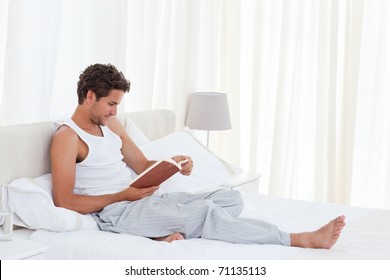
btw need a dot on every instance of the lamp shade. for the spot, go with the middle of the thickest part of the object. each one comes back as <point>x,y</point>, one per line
<point>208,111</point>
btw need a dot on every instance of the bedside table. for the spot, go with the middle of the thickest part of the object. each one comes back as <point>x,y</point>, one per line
<point>245,181</point>
<point>21,249</point>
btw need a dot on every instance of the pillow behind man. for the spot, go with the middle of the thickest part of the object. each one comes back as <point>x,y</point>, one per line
<point>31,202</point>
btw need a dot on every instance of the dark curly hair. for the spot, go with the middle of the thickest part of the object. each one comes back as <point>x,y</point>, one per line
<point>101,78</point>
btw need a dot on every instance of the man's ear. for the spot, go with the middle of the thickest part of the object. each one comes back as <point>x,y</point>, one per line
<point>91,97</point>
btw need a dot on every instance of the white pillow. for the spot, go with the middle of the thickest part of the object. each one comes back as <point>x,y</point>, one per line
<point>135,133</point>
<point>32,204</point>
<point>209,171</point>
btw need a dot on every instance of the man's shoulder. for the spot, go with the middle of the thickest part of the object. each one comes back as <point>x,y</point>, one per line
<point>64,132</point>
<point>115,126</point>
<point>65,142</point>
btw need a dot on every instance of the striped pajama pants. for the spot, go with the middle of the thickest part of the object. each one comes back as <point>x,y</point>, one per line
<point>210,215</point>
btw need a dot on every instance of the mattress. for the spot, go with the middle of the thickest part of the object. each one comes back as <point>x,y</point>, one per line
<point>366,236</point>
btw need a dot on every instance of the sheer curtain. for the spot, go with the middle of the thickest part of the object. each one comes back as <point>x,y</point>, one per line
<point>45,44</point>
<point>294,73</point>
<point>306,80</point>
<point>318,127</point>
<point>306,57</point>
<point>370,182</point>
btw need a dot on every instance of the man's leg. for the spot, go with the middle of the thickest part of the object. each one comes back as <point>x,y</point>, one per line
<point>194,216</point>
<point>169,238</point>
<point>324,238</point>
<point>180,213</point>
<point>230,200</point>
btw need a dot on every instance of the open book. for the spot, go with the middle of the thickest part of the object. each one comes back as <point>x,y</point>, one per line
<point>157,173</point>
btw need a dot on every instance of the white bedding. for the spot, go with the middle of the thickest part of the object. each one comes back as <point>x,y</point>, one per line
<point>366,236</point>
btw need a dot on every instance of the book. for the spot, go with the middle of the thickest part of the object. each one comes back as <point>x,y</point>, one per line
<point>157,173</point>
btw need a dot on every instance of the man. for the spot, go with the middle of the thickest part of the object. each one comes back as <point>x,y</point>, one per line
<point>91,157</point>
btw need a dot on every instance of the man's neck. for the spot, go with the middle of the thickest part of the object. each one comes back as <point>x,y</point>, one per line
<point>83,120</point>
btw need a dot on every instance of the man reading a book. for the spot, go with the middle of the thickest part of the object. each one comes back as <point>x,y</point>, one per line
<point>91,157</point>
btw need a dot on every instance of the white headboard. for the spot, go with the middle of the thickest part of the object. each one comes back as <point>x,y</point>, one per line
<point>24,149</point>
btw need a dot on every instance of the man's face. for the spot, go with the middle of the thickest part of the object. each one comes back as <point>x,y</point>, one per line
<point>101,111</point>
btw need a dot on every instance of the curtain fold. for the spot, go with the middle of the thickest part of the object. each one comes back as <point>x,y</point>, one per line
<point>348,116</point>
<point>30,58</point>
<point>3,36</point>
<point>47,44</point>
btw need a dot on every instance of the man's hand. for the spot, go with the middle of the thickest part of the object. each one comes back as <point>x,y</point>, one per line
<point>187,166</point>
<point>132,194</point>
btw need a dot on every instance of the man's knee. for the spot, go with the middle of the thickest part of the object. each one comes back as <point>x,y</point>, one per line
<point>231,201</point>
<point>237,196</point>
<point>238,202</point>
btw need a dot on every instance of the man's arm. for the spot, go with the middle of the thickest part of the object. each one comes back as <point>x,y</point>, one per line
<point>134,157</point>
<point>64,151</point>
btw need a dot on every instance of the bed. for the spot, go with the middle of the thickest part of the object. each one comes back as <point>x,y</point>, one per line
<point>26,191</point>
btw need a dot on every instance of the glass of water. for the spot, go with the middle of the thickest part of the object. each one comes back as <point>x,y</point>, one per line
<point>6,226</point>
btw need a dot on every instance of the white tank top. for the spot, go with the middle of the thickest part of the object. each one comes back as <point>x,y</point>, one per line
<point>102,171</point>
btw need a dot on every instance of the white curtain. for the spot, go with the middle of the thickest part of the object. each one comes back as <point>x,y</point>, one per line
<point>306,79</point>
<point>305,65</point>
<point>45,44</point>
<point>319,123</point>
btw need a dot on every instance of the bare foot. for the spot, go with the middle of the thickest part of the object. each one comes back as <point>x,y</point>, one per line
<point>323,238</point>
<point>170,238</point>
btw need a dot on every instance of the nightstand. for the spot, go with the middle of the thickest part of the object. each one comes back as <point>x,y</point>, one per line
<point>21,249</point>
<point>244,181</point>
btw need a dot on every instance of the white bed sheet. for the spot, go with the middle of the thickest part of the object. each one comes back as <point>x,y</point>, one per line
<point>366,236</point>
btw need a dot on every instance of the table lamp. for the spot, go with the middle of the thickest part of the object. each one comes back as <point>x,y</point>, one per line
<point>208,111</point>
